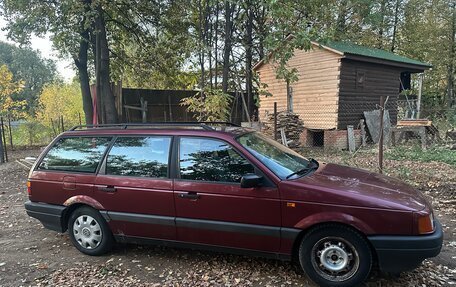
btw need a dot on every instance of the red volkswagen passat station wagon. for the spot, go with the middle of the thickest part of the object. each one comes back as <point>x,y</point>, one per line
<point>215,185</point>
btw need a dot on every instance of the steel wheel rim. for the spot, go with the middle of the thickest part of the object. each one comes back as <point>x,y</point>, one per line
<point>87,232</point>
<point>335,259</point>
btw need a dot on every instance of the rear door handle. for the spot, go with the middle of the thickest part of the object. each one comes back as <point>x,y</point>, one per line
<point>190,195</point>
<point>107,188</point>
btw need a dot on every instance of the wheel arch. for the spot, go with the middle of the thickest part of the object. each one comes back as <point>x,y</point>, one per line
<point>76,202</point>
<point>309,227</point>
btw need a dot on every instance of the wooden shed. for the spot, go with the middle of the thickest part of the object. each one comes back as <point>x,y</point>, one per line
<point>337,82</point>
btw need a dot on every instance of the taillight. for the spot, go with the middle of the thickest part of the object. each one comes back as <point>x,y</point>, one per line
<point>425,224</point>
<point>29,188</point>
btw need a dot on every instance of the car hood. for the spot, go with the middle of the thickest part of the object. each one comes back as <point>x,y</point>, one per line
<point>343,185</point>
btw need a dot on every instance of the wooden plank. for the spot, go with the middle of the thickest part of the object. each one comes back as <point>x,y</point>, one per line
<point>415,123</point>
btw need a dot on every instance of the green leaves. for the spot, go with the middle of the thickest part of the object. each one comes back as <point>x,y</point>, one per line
<point>210,106</point>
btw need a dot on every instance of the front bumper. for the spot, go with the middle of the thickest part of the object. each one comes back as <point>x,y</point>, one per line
<point>51,216</point>
<point>402,253</point>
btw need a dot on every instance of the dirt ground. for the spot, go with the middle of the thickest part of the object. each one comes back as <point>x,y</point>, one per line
<point>33,256</point>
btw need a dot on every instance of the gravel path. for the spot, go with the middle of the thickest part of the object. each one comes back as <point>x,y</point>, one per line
<point>33,256</point>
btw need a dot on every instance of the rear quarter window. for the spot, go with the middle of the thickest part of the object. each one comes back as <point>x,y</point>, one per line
<point>76,154</point>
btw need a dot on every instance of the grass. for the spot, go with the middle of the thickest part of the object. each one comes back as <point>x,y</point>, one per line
<point>415,153</point>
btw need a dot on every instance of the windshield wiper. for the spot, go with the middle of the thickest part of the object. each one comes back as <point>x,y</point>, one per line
<point>301,171</point>
<point>305,170</point>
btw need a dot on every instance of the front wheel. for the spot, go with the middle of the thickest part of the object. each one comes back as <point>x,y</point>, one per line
<point>335,255</point>
<point>89,232</point>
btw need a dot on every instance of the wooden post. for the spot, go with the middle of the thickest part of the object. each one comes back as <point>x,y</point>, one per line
<point>420,89</point>
<point>79,116</point>
<point>143,109</point>
<point>275,120</point>
<point>380,141</point>
<point>351,138</point>
<point>170,108</point>
<point>10,133</point>
<point>363,133</point>
<point>4,138</point>
<point>61,122</point>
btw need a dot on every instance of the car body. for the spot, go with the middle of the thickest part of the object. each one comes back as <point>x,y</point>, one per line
<point>228,188</point>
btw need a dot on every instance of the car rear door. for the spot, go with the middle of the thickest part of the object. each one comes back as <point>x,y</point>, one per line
<point>68,169</point>
<point>211,206</point>
<point>135,189</point>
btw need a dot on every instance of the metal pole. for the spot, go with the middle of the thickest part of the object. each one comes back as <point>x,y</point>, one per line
<point>4,138</point>
<point>380,141</point>
<point>10,132</point>
<point>275,120</point>
<point>80,120</point>
<point>2,158</point>
<point>420,89</point>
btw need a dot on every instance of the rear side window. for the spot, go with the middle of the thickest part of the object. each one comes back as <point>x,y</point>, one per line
<point>78,154</point>
<point>139,156</point>
<point>207,159</point>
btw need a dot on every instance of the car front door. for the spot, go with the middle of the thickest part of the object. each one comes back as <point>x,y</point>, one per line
<point>135,189</point>
<point>211,206</point>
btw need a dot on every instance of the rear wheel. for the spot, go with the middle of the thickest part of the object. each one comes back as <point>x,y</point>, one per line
<point>335,255</point>
<point>89,232</point>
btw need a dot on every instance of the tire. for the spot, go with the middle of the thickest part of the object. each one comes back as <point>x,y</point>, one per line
<point>89,232</point>
<point>335,255</point>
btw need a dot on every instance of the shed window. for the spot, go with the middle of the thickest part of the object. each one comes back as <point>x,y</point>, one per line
<point>360,78</point>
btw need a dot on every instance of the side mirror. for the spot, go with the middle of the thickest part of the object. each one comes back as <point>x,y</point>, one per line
<point>250,180</point>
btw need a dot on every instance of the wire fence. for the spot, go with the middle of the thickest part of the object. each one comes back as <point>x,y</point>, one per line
<point>20,134</point>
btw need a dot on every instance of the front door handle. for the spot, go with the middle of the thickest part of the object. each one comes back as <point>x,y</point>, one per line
<point>189,195</point>
<point>107,188</point>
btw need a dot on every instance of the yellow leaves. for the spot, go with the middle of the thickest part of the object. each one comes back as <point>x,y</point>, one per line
<point>8,87</point>
<point>60,99</point>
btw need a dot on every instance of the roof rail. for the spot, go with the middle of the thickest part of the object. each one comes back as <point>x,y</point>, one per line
<point>204,125</point>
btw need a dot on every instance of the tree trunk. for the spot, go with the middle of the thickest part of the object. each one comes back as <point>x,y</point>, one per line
<point>396,21</point>
<point>103,77</point>
<point>341,20</point>
<point>248,58</point>
<point>81,64</point>
<point>216,24</point>
<point>201,45</point>
<point>450,97</point>
<point>227,47</point>
<point>382,29</point>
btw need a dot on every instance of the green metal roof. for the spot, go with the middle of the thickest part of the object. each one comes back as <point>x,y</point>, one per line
<point>350,48</point>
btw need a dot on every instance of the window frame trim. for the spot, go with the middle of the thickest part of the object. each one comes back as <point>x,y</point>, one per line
<point>54,142</point>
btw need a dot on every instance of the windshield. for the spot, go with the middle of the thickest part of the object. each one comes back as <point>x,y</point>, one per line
<point>284,162</point>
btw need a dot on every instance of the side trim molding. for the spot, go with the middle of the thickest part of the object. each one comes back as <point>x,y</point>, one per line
<point>141,218</point>
<point>224,226</point>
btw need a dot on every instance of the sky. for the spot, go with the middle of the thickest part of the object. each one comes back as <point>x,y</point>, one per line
<point>44,46</point>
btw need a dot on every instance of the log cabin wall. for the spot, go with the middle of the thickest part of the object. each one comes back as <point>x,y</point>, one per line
<point>361,86</point>
<point>315,94</point>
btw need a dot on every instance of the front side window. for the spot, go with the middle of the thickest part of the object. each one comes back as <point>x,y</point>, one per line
<point>78,154</point>
<point>211,160</point>
<point>139,156</point>
<point>281,160</point>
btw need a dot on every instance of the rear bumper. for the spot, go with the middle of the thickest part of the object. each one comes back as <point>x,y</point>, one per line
<point>51,216</point>
<point>402,253</point>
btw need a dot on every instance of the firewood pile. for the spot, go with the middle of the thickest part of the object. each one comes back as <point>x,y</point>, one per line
<point>292,125</point>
